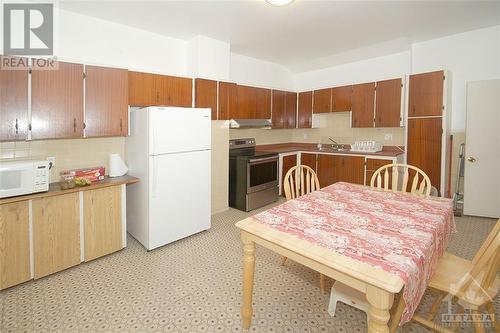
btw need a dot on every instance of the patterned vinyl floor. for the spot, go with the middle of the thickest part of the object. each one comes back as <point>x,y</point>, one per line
<point>193,285</point>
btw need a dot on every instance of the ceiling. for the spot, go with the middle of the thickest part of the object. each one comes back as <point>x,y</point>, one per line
<point>305,32</point>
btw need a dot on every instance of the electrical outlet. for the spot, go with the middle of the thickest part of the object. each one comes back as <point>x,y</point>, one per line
<point>304,136</point>
<point>388,136</point>
<point>52,161</point>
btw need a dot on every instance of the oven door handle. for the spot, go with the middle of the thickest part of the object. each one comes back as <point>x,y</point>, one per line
<point>262,160</point>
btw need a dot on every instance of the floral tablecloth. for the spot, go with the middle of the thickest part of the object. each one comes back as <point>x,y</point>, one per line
<point>400,233</point>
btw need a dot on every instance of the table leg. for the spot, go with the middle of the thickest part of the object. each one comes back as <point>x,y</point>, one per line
<point>378,313</point>
<point>248,271</point>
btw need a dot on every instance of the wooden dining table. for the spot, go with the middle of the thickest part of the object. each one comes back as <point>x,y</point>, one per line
<point>381,243</point>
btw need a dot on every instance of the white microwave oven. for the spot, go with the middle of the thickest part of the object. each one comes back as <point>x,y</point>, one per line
<point>23,177</point>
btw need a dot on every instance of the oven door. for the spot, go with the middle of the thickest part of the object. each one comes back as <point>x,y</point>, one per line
<point>262,173</point>
<point>16,178</point>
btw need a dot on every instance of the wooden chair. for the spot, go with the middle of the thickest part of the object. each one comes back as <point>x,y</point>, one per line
<point>387,180</point>
<point>298,181</point>
<point>473,283</point>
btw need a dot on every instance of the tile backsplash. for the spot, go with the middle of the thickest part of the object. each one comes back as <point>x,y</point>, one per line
<point>69,153</point>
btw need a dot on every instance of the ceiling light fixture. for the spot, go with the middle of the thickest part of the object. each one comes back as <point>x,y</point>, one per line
<point>279,2</point>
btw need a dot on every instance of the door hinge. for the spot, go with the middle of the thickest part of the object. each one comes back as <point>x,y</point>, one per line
<point>29,126</point>
<point>442,107</point>
<point>444,77</point>
<point>84,125</point>
<point>30,70</point>
<point>84,75</point>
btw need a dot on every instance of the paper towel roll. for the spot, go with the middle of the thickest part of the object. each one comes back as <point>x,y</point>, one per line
<point>117,167</point>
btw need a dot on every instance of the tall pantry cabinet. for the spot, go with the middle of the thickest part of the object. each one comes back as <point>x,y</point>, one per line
<point>428,126</point>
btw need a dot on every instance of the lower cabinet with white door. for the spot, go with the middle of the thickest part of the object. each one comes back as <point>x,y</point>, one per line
<point>47,233</point>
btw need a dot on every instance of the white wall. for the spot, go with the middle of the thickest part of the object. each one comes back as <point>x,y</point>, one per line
<point>470,56</point>
<point>86,39</point>
<point>208,58</point>
<point>251,71</point>
<point>379,68</point>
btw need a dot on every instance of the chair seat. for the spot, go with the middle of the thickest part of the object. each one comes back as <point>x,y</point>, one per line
<point>450,273</point>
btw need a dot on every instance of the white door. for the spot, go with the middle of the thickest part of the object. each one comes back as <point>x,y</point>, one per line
<point>180,196</point>
<point>482,148</point>
<point>175,130</point>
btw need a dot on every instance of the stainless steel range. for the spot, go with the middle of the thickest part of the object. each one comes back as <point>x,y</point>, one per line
<point>253,176</point>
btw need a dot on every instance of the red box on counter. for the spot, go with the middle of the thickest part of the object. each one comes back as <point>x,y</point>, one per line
<point>93,173</point>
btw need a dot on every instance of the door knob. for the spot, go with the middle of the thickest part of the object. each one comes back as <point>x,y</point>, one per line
<point>471,159</point>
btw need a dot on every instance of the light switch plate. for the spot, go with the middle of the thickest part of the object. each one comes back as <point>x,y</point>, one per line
<point>388,136</point>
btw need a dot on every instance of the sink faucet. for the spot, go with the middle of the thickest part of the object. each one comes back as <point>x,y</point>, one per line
<point>335,145</point>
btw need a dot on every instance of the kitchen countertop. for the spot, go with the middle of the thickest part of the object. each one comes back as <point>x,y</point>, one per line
<point>55,189</point>
<point>290,147</point>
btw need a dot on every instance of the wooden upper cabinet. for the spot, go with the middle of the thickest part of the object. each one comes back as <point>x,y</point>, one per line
<point>341,99</point>
<point>228,100</point>
<point>322,100</point>
<point>141,89</point>
<point>13,101</point>
<point>278,109</point>
<point>263,103</point>
<point>304,112</point>
<point>363,100</point>
<point>426,94</point>
<point>424,146</point>
<point>388,105</point>
<point>106,101</point>
<point>57,102</point>
<point>247,103</point>
<point>147,89</point>
<point>173,91</point>
<point>206,95</point>
<point>290,109</point>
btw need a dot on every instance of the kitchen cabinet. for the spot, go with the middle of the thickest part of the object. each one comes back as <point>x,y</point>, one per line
<point>363,100</point>
<point>388,103</point>
<point>291,109</point>
<point>322,100</point>
<point>304,111</point>
<point>372,165</point>
<point>56,233</point>
<point>327,169</point>
<point>147,89</point>
<point>228,100</point>
<point>14,241</point>
<point>173,91</point>
<point>106,101</point>
<point>206,95</point>
<point>102,222</point>
<point>426,94</point>
<point>284,109</point>
<point>424,146</point>
<point>253,103</point>
<point>57,102</point>
<point>340,168</point>
<point>288,162</point>
<point>309,159</point>
<point>263,103</point>
<point>13,102</point>
<point>341,99</point>
<point>278,109</point>
<point>141,89</point>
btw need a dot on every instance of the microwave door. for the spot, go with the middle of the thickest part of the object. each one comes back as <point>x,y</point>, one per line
<point>16,180</point>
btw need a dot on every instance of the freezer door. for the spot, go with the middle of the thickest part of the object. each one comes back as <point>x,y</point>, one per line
<point>175,130</point>
<point>180,196</point>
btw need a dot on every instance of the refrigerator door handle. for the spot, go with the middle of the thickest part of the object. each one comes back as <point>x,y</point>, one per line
<point>153,176</point>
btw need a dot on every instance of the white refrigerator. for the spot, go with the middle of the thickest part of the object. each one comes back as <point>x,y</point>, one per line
<point>169,151</point>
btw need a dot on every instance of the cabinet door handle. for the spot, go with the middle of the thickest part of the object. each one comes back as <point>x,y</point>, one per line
<point>413,109</point>
<point>157,97</point>
<point>121,125</point>
<point>334,106</point>
<point>17,127</point>
<point>74,124</point>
